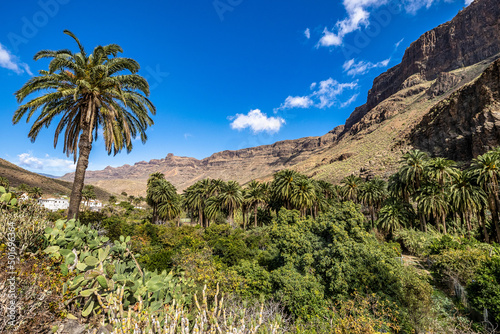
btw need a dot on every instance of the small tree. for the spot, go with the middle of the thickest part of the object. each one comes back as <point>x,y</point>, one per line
<point>88,193</point>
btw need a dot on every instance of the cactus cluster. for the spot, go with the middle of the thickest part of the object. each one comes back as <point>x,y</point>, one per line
<point>7,199</point>
<point>101,268</point>
<point>25,221</point>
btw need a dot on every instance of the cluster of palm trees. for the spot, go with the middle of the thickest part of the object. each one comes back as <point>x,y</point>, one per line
<point>424,191</point>
<point>432,191</point>
<point>212,200</point>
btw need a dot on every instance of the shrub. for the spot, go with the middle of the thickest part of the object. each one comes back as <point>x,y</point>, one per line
<point>416,242</point>
<point>27,220</point>
<point>484,290</point>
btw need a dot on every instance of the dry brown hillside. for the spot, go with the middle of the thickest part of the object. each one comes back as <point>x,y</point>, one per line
<point>50,187</point>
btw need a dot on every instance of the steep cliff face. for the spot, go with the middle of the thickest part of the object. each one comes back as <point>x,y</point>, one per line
<point>472,36</point>
<point>466,124</point>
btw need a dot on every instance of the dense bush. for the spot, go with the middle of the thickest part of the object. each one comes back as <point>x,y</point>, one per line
<point>22,223</point>
<point>484,289</point>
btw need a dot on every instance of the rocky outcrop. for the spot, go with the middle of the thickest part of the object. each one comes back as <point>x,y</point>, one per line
<point>466,124</point>
<point>472,36</point>
<point>242,165</point>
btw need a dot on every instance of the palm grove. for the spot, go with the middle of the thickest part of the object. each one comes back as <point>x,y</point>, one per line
<point>423,192</point>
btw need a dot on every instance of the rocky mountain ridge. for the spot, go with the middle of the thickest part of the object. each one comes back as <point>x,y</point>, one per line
<point>399,114</point>
<point>469,38</point>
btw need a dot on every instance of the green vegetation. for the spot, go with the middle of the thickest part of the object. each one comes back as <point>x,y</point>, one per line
<point>409,255</point>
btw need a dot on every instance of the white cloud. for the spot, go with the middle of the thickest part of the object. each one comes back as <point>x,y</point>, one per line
<point>354,68</point>
<point>396,46</point>
<point>329,39</point>
<point>297,102</point>
<point>348,102</point>
<point>307,33</point>
<point>468,2</point>
<point>358,16</point>
<point>324,95</point>
<point>412,6</point>
<point>257,122</point>
<point>329,90</point>
<point>11,62</point>
<point>47,164</point>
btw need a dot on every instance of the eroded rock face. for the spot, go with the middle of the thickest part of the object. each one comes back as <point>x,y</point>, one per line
<point>466,124</point>
<point>444,83</point>
<point>242,165</point>
<point>469,38</point>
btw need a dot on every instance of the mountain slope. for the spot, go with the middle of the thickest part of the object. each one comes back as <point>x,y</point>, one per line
<point>50,187</point>
<point>442,62</point>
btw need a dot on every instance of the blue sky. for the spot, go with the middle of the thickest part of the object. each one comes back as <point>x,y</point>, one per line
<point>224,74</point>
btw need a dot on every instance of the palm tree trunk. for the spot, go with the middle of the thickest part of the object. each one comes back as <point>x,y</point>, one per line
<point>200,217</point>
<point>469,225</point>
<point>84,147</point>
<point>231,218</point>
<point>494,215</point>
<point>462,219</point>
<point>255,215</point>
<point>423,225</point>
<point>244,219</point>
<point>443,218</point>
<point>482,219</point>
<point>372,215</point>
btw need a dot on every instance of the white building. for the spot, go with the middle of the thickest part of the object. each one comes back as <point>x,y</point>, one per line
<point>94,205</point>
<point>54,204</point>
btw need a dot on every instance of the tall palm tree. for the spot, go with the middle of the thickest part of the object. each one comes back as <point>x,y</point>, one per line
<point>413,168</point>
<point>327,189</point>
<point>195,198</point>
<point>213,208</point>
<point>87,92</point>
<point>153,180</point>
<point>441,170</point>
<point>231,199</point>
<point>169,208</point>
<point>162,195</point>
<point>412,174</point>
<point>351,186</point>
<point>466,197</point>
<point>303,195</point>
<point>398,188</point>
<point>433,203</point>
<point>215,187</point>
<point>372,193</point>
<point>282,185</point>
<point>394,214</point>
<point>486,169</point>
<point>88,193</point>
<point>255,196</point>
